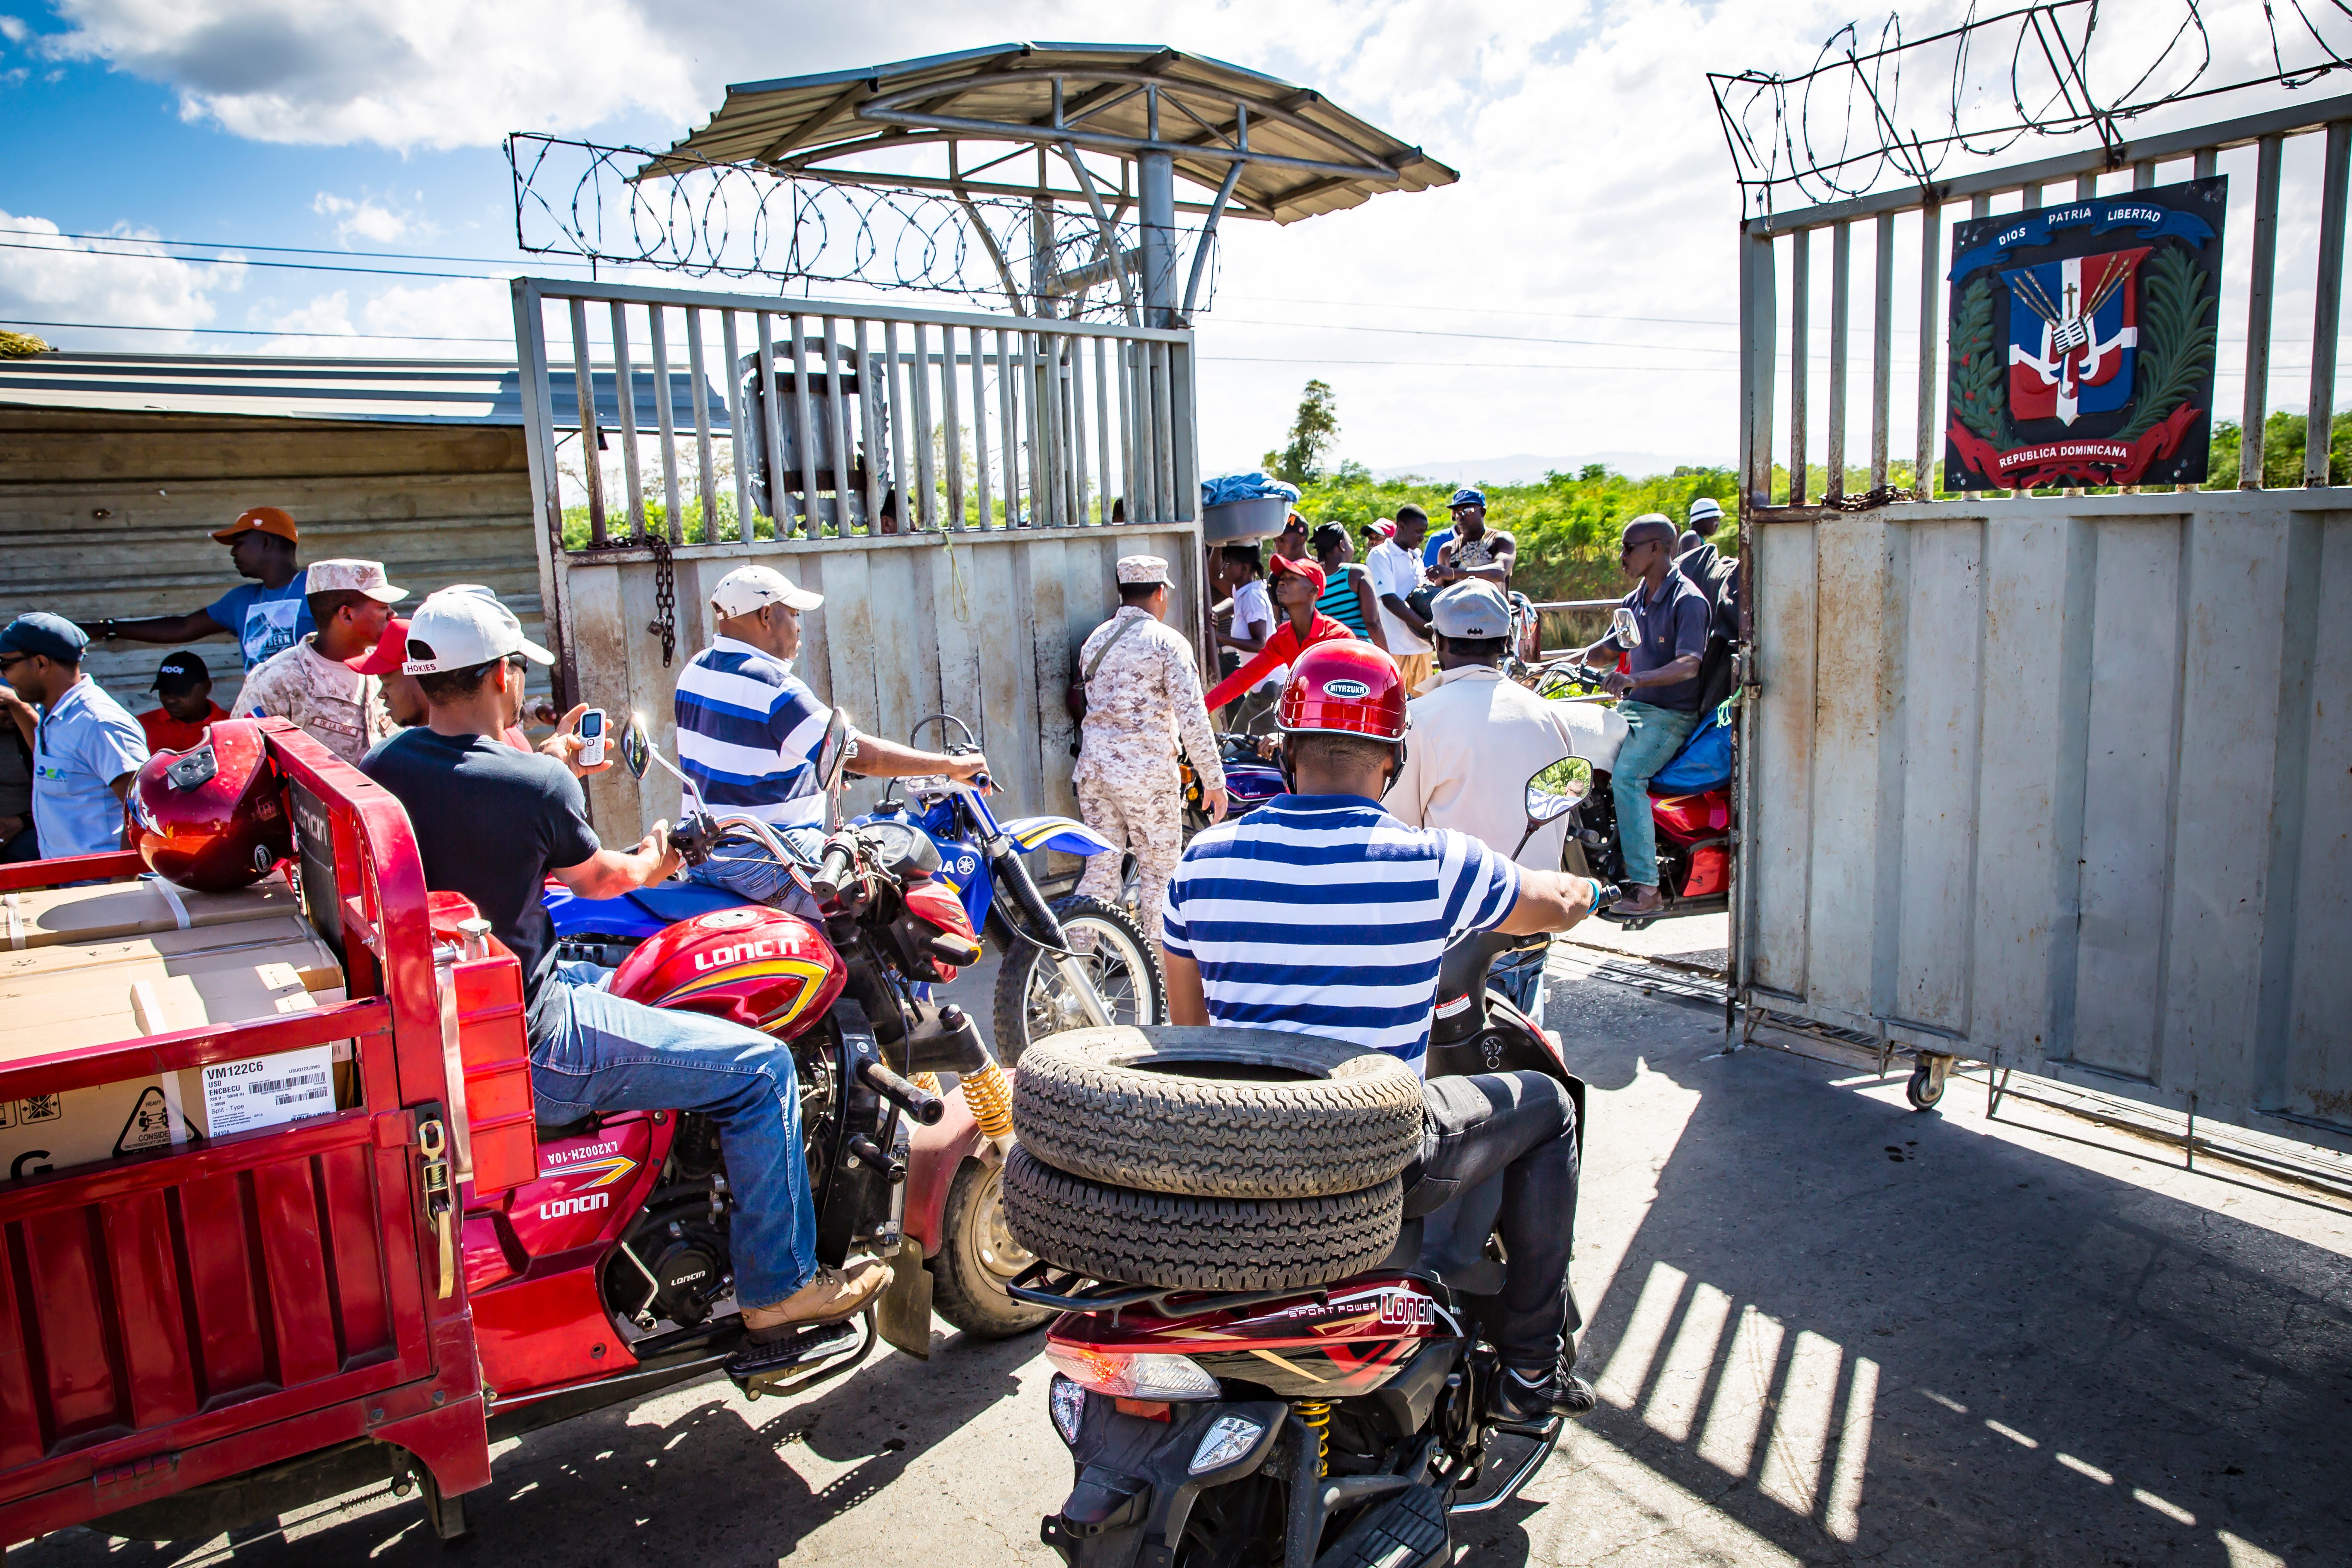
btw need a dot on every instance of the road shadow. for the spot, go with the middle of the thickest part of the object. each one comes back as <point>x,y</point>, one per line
<point>1863,1333</point>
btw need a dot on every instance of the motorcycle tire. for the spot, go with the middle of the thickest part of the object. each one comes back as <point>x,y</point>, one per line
<point>1218,1113</point>
<point>978,1256</point>
<point>1025,967</point>
<point>1197,1244</point>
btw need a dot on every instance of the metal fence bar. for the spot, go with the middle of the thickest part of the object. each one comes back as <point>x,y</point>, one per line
<point>869,403</point>
<point>1882,352</point>
<point>2261,280</point>
<point>779,515</point>
<point>624,398</point>
<point>978,415</point>
<point>1008,418</point>
<point>805,424</point>
<point>706,471</point>
<point>1931,250</point>
<point>1979,206</point>
<point>2318,428</point>
<point>1840,313</point>
<point>583,386</point>
<point>1164,399</point>
<point>1070,354</point>
<point>1757,297</point>
<point>836,433</point>
<point>737,441</point>
<point>1800,361</point>
<point>665,422</point>
<point>1127,433</point>
<point>913,514</point>
<point>951,433</point>
<point>1102,423</point>
<point>924,475</point>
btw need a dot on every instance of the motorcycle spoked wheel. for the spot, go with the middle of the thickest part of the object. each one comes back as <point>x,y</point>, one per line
<point>1034,1000</point>
<point>978,1256</point>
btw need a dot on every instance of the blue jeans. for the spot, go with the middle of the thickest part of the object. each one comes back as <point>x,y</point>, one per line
<point>1658,734</point>
<point>594,1051</point>
<point>1519,976</point>
<point>748,869</point>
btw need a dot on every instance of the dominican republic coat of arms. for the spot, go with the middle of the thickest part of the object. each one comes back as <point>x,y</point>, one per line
<point>2083,342</point>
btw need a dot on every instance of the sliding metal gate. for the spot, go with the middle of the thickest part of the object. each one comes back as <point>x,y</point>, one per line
<point>958,486</point>
<point>2061,782</point>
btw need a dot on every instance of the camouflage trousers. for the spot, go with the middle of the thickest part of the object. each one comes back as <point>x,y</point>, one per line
<point>1148,819</point>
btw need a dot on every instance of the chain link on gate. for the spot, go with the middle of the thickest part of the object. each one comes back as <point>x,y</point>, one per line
<point>664,622</point>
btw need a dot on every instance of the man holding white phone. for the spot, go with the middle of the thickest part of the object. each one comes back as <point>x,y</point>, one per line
<point>749,729</point>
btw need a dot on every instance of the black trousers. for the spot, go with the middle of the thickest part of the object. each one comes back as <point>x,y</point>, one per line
<point>1519,1127</point>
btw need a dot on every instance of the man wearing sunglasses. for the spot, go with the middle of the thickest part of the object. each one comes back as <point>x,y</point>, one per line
<point>1657,694</point>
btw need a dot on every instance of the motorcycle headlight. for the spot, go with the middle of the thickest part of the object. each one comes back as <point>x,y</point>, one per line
<point>1067,1401</point>
<point>1128,1375</point>
<point>1227,1439</point>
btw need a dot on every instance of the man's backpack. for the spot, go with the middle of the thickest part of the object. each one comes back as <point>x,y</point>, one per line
<point>1717,577</point>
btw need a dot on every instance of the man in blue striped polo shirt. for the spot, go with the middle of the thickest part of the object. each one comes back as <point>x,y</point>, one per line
<point>1322,914</point>
<point>749,729</point>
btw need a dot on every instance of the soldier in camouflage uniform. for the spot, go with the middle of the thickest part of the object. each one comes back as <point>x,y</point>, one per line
<point>1142,691</point>
<point>313,682</point>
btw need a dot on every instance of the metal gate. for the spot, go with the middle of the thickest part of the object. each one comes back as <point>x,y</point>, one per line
<point>2061,782</point>
<point>949,481</point>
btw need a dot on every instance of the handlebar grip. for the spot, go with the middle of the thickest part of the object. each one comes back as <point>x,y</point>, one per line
<point>835,869</point>
<point>912,1098</point>
<point>1610,893</point>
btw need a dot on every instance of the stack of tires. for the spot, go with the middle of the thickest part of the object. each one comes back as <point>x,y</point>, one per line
<point>1210,1159</point>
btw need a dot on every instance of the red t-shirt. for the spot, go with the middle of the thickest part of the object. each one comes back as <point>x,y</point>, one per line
<point>165,734</point>
<point>1284,647</point>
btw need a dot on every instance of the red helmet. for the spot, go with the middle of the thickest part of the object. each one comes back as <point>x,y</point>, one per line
<point>213,817</point>
<point>1344,687</point>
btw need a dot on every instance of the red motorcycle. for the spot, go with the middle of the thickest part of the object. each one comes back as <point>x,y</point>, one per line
<point>1339,1421</point>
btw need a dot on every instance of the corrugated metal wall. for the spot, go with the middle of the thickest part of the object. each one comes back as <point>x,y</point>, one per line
<point>982,625</point>
<point>2065,784</point>
<point>111,515</point>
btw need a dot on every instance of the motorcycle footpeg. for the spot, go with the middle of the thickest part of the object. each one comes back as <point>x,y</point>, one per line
<point>1408,1530</point>
<point>774,1366</point>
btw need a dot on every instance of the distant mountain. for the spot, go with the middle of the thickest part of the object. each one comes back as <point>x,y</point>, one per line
<point>1524,467</point>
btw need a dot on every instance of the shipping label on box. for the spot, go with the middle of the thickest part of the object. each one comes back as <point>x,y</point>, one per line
<point>268,1090</point>
<point>47,1133</point>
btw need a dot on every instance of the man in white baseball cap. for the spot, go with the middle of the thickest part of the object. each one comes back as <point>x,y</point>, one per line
<point>313,682</point>
<point>493,822</point>
<point>748,732</point>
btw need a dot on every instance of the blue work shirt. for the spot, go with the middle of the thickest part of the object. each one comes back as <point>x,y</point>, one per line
<point>1430,546</point>
<point>1673,624</point>
<point>84,742</point>
<point>266,622</point>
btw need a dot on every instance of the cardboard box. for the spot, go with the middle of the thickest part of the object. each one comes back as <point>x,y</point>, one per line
<point>46,917</point>
<point>65,994</point>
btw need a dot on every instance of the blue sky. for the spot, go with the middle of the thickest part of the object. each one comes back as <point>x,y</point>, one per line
<point>1568,298</point>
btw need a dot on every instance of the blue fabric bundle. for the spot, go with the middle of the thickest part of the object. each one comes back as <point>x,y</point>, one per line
<point>1246,487</point>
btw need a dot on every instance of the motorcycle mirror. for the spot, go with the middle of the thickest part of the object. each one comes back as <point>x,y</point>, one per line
<point>1622,627</point>
<point>637,747</point>
<point>832,751</point>
<point>1555,790</point>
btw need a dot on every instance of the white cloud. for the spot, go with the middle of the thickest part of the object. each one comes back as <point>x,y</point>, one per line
<point>13,29</point>
<point>363,219</point>
<point>459,318</point>
<point>46,277</point>
<point>430,73</point>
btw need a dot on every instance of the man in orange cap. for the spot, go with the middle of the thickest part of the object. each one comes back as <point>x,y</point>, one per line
<point>267,616</point>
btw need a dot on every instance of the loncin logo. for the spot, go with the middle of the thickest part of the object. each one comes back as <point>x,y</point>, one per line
<point>584,1203</point>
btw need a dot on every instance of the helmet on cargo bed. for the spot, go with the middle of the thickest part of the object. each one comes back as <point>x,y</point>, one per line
<point>213,817</point>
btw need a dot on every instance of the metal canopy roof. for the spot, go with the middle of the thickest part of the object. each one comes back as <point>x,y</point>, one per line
<point>436,391</point>
<point>1287,151</point>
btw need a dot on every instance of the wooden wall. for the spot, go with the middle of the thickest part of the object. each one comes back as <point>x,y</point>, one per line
<point>111,515</point>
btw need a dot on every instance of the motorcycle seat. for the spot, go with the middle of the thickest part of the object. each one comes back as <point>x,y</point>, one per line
<point>554,1132</point>
<point>683,900</point>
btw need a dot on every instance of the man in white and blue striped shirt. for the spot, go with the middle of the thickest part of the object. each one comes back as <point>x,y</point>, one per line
<point>1320,914</point>
<point>749,729</point>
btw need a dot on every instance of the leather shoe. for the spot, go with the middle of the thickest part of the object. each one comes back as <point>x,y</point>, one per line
<point>1558,1393</point>
<point>831,1296</point>
<point>1645,902</point>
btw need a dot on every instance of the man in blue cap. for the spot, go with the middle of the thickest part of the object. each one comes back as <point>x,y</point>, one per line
<point>1475,549</point>
<point>87,748</point>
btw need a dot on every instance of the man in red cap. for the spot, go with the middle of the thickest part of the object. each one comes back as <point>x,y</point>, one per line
<point>1296,585</point>
<point>267,616</point>
<point>1320,914</point>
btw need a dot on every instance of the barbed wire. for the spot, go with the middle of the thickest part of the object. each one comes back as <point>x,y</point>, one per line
<point>1846,127</point>
<point>745,221</point>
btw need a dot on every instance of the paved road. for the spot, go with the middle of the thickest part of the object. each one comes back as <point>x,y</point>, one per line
<point>1827,1330</point>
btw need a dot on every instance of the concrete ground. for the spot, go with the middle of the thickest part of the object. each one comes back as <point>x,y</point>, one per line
<point>1826,1330</point>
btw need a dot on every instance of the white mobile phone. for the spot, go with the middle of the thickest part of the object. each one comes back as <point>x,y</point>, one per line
<point>591,736</point>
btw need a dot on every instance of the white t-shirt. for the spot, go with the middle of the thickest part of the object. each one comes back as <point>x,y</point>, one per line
<point>1253,606</point>
<point>1397,572</point>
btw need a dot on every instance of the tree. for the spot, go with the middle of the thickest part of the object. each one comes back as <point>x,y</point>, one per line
<point>1312,435</point>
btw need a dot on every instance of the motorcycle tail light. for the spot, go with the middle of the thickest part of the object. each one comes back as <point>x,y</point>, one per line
<point>1227,1439</point>
<point>1067,1401</point>
<point>1126,1374</point>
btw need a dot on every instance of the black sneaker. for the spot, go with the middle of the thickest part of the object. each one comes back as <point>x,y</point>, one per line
<point>1558,1393</point>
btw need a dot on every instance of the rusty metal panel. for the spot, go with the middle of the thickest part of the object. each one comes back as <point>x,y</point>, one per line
<point>2058,785</point>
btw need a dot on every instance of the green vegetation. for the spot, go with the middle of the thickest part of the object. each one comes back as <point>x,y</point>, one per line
<point>2283,438</point>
